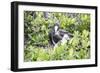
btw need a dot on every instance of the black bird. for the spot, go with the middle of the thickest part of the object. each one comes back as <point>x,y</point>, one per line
<point>56,34</point>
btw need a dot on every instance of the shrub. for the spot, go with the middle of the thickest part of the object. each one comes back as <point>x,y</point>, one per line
<point>36,40</point>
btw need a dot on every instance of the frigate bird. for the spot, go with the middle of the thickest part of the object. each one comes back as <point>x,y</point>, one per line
<point>56,34</point>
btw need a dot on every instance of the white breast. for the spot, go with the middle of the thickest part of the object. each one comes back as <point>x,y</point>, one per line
<point>56,28</point>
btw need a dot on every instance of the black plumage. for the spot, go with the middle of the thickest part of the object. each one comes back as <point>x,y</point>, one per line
<point>56,34</point>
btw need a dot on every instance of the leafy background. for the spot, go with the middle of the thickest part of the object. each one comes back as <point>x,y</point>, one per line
<point>36,41</point>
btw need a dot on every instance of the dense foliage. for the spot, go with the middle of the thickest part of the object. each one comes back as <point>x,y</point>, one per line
<point>36,42</point>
